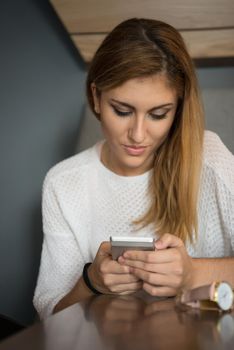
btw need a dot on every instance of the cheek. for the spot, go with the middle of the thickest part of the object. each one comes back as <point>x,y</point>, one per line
<point>107,131</point>
<point>112,127</point>
<point>161,129</point>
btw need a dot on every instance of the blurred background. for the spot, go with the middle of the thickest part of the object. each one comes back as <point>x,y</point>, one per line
<point>44,119</point>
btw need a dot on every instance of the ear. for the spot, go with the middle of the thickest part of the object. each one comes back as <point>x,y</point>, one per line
<point>96,98</point>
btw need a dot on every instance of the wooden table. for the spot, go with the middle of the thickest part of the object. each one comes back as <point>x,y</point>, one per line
<point>129,322</point>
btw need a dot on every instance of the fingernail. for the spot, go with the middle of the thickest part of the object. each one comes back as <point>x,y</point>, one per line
<point>158,244</point>
<point>121,260</point>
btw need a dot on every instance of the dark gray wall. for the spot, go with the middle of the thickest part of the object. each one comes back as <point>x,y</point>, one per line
<point>217,87</point>
<point>41,101</point>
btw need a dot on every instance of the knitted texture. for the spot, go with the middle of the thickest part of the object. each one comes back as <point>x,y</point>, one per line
<point>84,203</point>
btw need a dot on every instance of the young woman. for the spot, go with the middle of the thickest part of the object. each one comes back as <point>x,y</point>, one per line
<point>157,174</point>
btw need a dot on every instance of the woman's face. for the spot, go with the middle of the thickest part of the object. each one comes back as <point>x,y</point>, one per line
<point>135,118</point>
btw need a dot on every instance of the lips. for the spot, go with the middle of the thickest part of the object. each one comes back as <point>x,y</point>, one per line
<point>134,150</point>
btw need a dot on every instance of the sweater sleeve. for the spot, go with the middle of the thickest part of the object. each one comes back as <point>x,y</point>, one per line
<point>225,193</point>
<point>221,160</point>
<point>225,198</point>
<point>61,259</point>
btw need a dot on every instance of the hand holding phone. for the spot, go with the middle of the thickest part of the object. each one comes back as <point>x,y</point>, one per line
<point>120,244</point>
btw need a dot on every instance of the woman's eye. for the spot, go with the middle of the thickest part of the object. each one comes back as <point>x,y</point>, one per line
<point>158,116</point>
<point>121,113</point>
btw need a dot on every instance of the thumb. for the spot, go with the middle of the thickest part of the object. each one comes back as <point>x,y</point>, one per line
<point>168,241</point>
<point>104,248</point>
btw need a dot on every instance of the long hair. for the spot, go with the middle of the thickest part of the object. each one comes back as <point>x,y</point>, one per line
<point>144,47</point>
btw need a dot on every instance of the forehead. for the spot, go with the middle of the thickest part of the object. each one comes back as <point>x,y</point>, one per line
<point>150,89</point>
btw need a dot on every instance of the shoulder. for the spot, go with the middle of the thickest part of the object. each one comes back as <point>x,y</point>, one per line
<point>218,159</point>
<point>216,154</point>
<point>73,167</point>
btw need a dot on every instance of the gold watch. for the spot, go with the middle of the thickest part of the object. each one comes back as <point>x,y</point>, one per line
<point>215,295</point>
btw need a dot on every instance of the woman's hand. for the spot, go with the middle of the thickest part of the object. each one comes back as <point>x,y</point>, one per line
<point>165,271</point>
<point>109,276</point>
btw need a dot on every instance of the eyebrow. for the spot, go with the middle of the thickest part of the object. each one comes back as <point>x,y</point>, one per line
<point>132,107</point>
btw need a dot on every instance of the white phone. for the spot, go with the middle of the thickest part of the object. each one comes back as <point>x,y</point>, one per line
<point>120,244</point>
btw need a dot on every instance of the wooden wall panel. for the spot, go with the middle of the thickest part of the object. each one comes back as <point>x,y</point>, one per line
<point>201,44</point>
<point>80,16</point>
<point>210,43</point>
<point>207,25</point>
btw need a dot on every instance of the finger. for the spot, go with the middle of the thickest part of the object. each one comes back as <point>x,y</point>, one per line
<point>126,288</point>
<point>173,281</point>
<point>113,279</point>
<point>156,257</point>
<point>159,291</point>
<point>140,255</point>
<point>168,241</point>
<point>104,248</point>
<point>138,264</point>
<point>112,266</point>
<point>162,268</point>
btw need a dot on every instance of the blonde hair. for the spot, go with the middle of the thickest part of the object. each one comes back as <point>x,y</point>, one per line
<point>143,47</point>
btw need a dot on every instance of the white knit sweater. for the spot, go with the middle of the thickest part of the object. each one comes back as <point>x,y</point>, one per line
<point>84,203</point>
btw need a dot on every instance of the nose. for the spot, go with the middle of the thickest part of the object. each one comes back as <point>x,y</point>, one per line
<point>137,130</point>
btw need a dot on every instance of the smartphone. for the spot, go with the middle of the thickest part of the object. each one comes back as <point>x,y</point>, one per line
<point>120,244</point>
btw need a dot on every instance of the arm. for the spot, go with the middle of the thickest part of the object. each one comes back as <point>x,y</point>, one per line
<point>78,293</point>
<point>208,270</point>
<point>60,283</point>
<point>61,259</point>
<point>106,275</point>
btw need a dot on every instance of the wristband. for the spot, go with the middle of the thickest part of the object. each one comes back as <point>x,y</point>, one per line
<point>87,281</point>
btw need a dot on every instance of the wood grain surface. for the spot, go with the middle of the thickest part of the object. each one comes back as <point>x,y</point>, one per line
<point>128,323</point>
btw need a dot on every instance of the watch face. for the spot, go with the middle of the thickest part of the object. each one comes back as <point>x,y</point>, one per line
<point>224,296</point>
